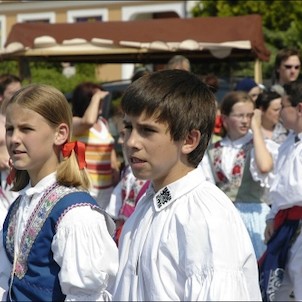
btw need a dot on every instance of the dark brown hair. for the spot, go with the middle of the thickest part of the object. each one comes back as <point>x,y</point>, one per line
<point>178,98</point>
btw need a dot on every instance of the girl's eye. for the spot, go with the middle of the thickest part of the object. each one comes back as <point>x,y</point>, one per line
<point>26,129</point>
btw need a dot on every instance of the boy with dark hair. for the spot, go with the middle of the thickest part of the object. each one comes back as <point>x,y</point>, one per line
<point>185,240</point>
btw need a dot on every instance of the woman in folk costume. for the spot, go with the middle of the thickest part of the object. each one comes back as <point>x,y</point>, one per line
<point>57,240</point>
<point>242,160</point>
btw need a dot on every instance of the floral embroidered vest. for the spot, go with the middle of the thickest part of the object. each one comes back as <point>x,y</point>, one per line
<point>240,187</point>
<point>36,273</point>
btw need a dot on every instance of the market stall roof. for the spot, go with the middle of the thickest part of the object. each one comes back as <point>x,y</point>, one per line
<point>140,41</point>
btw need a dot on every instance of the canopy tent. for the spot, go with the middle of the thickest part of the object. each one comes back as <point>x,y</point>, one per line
<point>140,41</point>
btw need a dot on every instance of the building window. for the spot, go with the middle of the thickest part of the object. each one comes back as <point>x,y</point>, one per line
<point>139,12</point>
<point>155,11</point>
<point>37,17</point>
<point>91,15</point>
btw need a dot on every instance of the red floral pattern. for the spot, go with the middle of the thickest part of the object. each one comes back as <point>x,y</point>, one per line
<point>238,166</point>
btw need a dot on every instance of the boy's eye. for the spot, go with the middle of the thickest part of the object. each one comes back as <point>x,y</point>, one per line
<point>147,129</point>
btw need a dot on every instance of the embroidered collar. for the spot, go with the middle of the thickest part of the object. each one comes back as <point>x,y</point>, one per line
<point>238,143</point>
<point>33,226</point>
<point>167,195</point>
<point>40,186</point>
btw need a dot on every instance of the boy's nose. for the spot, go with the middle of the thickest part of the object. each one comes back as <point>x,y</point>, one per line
<point>131,139</point>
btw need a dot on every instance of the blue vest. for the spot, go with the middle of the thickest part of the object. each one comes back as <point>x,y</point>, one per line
<point>36,272</point>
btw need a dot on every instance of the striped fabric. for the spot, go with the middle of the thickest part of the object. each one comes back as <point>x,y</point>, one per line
<point>99,145</point>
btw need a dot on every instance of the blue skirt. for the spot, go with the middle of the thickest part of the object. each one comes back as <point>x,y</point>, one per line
<point>254,218</point>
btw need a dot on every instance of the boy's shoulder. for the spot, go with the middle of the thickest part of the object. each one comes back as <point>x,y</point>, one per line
<point>191,191</point>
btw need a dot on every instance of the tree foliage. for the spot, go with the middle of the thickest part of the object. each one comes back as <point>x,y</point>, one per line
<point>281,20</point>
<point>51,74</point>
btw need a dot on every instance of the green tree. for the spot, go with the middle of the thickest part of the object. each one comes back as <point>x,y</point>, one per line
<point>281,22</point>
<point>51,74</point>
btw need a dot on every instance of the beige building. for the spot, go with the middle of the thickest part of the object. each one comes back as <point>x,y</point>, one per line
<point>12,12</point>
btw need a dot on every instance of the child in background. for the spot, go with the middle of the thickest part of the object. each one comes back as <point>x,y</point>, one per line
<point>185,240</point>
<point>9,84</point>
<point>57,240</point>
<point>281,264</point>
<point>242,160</point>
<point>102,162</point>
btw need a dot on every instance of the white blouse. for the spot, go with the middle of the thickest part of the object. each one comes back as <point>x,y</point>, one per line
<point>230,150</point>
<point>186,243</point>
<point>82,247</point>
<point>286,190</point>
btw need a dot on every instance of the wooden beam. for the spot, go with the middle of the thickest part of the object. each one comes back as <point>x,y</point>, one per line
<point>258,71</point>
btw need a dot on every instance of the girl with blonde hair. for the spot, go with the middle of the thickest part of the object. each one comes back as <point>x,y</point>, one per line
<point>56,239</point>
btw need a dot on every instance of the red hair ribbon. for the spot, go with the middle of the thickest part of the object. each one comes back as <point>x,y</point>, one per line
<point>79,149</point>
<point>218,124</point>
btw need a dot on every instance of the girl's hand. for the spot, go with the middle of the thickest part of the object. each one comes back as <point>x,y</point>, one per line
<point>256,119</point>
<point>99,95</point>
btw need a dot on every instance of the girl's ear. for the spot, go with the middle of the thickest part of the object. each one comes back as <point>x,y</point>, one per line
<point>224,120</point>
<point>62,134</point>
<point>191,142</point>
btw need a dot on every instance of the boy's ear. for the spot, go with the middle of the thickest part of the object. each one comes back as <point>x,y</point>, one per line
<point>62,134</point>
<point>191,142</point>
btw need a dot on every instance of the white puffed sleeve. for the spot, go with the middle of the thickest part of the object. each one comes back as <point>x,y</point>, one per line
<point>87,255</point>
<point>265,179</point>
<point>220,285</point>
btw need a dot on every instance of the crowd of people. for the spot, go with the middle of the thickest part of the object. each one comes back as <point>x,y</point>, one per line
<point>205,204</point>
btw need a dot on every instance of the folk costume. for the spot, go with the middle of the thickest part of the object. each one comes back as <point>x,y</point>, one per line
<point>58,246</point>
<point>281,265</point>
<point>176,247</point>
<point>237,175</point>
<point>99,146</point>
<point>125,197</point>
